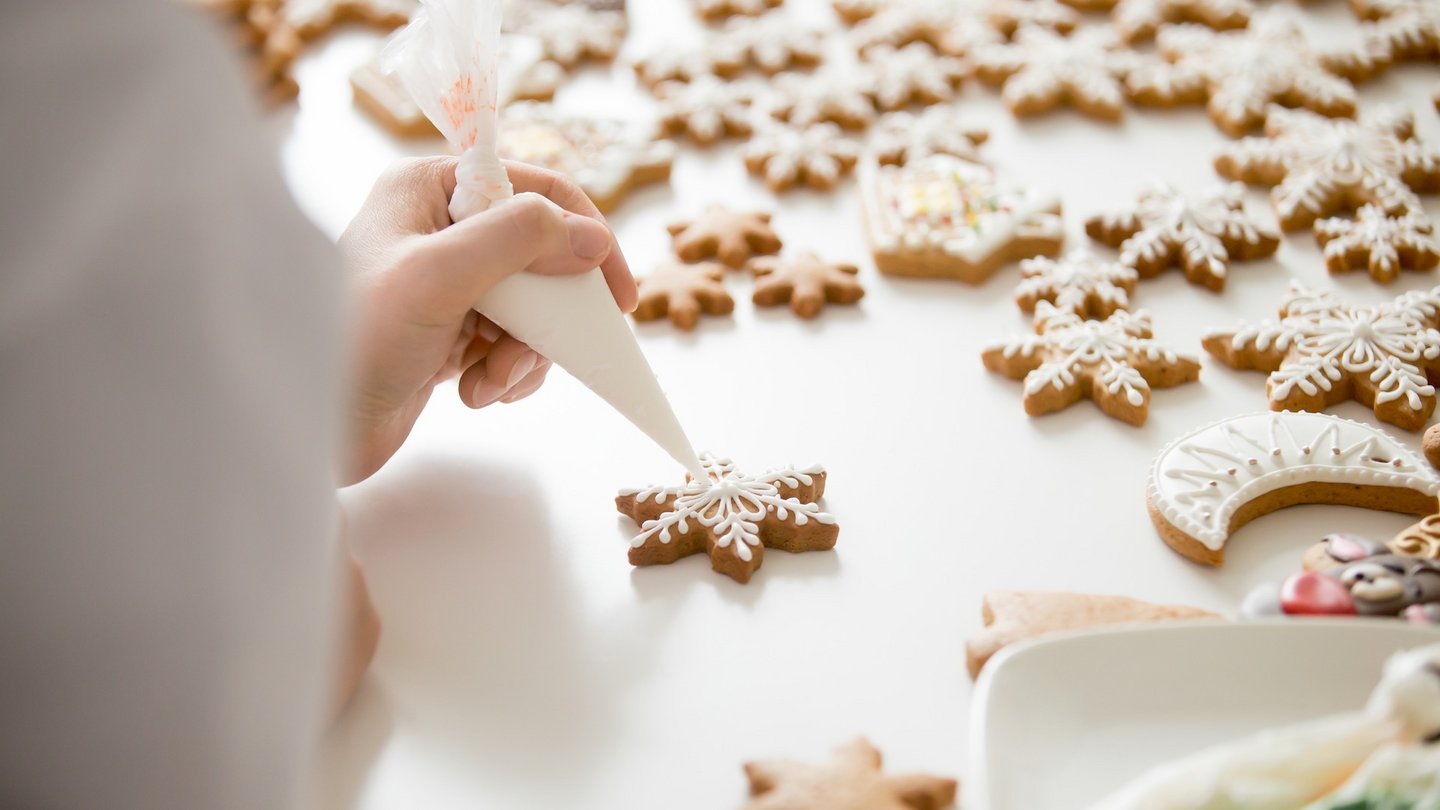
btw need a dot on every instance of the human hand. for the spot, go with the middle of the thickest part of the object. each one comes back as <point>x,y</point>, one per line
<point>417,276</point>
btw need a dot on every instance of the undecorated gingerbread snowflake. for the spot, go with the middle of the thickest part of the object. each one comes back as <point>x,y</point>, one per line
<point>851,780</point>
<point>683,292</point>
<point>842,97</point>
<point>733,237</point>
<point>732,516</point>
<point>1114,362</point>
<point>1080,282</point>
<point>711,10</point>
<point>804,281</point>
<point>772,44</point>
<point>817,156</point>
<point>1320,166</point>
<point>572,33</point>
<point>1323,351</point>
<point>707,109</point>
<point>914,74</point>
<point>1383,244</point>
<point>1041,70</point>
<point>900,137</point>
<point>1139,19</point>
<point>1201,233</point>
<point>1237,74</point>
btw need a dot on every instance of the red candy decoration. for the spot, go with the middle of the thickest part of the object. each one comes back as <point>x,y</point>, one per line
<point>1313,594</point>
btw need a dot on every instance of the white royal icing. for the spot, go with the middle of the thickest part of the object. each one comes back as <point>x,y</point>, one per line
<point>601,154</point>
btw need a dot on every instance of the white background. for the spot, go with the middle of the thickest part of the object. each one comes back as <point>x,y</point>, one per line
<point>525,664</point>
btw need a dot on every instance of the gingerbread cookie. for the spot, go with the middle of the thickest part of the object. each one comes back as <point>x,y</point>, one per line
<point>1041,70</point>
<point>1420,539</point>
<point>684,64</point>
<point>1239,73</point>
<point>1081,283</point>
<point>771,44</point>
<point>1114,363</point>
<point>851,780</point>
<point>1207,484</point>
<point>707,109</point>
<point>712,10</point>
<point>1407,30</point>
<point>1139,19</point>
<point>1320,166</point>
<point>851,12</point>
<point>817,156</point>
<point>683,292</point>
<point>898,24</point>
<point>1009,16</point>
<point>311,18</point>
<point>270,42</point>
<point>840,97</point>
<point>733,237</point>
<point>941,216</point>
<point>1366,579</point>
<point>606,157</point>
<point>732,516</point>
<point>805,282</point>
<point>900,137</point>
<point>1431,445</point>
<point>914,74</point>
<point>1382,244</point>
<point>1322,351</point>
<point>571,33</point>
<point>1201,233</point>
<point>1014,616</point>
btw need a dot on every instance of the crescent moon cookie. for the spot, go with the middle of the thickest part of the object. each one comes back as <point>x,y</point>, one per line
<point>732,516</point>
<point>941,216</point>
<point>853,779</point>
<point>1206,485</point>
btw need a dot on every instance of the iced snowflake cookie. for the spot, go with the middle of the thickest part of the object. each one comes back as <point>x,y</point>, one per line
<point>851,780</point>
<point>712,10</point>
<point>686,63</point>
<point>1201,233</point>
<point>1139,19</point>
<point>900,137</point>
<point>1406,30</point>
<point>840,97</point>
<point>733,237</point>
<point>1014,616</point>
<point>570,33</point>
<point>949,27</point>
<point>606,157</point>
<point>731,516</point>
<point>683,292</point>
<point>1322,351</point>
<point>1080,283</point>
<point>312,18</point>
<point>817,156</point>
<point>1207,484</point>
<point>914,74</point>
<point>1008,16</point>
<point>707,109</point>
<point>1239,73</point>
<point>1382,244</point>
<point>771,44</point>
<point>804,281</point>
<point>1114,362</point>
<point>1041,70</point>
<point>942,216</point>
<point>1320,166</point>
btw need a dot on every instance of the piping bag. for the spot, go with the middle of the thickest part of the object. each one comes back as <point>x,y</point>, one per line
<point>447,60</point>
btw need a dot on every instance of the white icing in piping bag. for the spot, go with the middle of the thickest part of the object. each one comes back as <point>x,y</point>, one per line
<point>446,58</point>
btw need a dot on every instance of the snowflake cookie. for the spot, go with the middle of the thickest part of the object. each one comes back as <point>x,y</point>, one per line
<point>686,63</point>
<point>311,18</point>
<point>945,25</point>
<point>900,137</point>
<point>805,282</point>
<point>1080,282</point>
<point>771,44</point>
<point>1382,244</point>
<point>712,10</point>
<point>914,74</point>
<point>1139,19</point>
<point>841,97</point>
<point>683,292</point>
<point>571,33</point>
<point>1322,351</point>
<point>732,516</point>
<point>1114,362</point>
<point>733,237</point>
<point>707,109</point>
<point>1407,30</point>
<point>942,216</point>
<point>816,156</point>
<point>1319,166</point>
<point>1041,70</point>
<point>851,780</point>
<point>1201,233</point>
<point>1239,73</point>
<point>1008,16</point>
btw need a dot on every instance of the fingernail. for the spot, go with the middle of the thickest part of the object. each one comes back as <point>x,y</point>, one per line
<point>488,330</point>
<point>487,392</point>
<point>588,239</point>
<point>523,367</point>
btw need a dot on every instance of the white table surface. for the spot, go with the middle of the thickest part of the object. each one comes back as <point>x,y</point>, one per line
<point>525,664</point>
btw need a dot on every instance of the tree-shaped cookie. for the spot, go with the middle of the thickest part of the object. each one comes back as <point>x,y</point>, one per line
<point>683,292</point>
<point>1322,351</point>
<point>853,779</point>
<point>731,516</point>
<point>1114,362</point>
<point>804,281</point>
<point>914,74</point>
<point>1201,233</point>
<point>1320,166</point>
<point>1041,70</point>
<point>1382,244</point>
<point>733,237</point>
<point>1239,73</point>
<point>707,109</point>
<point>817,156</point>
<point>1080,282</point>
<point>1140,19</point>
<point>841,97</point>
<point>900,137</point>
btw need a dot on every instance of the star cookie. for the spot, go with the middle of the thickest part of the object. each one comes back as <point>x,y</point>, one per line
<point>1114,362</point>
<point>900,137</point>
<point>1041,70</point>
<point>1320,166</point>
<point>1322,351</point>
<point>805,282</point>
<point>733,237</point>
<point>851,780</point>
<point>1382,244</point>
<point>1139,19</point>
<point>311,18</point>
<point>1081,283</point>
<point>707,109</point>
<point>683,292</point>
<point>712,10</point>
<point>816,156</point>
<point>1200,233</point>
<point>839,97</point>
<point>731,516</point>
<point>914,74</point>
<point>772,44</point>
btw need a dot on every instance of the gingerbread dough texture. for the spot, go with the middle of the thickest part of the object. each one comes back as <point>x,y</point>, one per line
<point>683,292</point>
<point>804,281</point>
<point>852,779</point>
<point>733,237</point>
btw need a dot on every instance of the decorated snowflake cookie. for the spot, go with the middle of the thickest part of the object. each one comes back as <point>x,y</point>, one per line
<point>683,292</point>
<point>1382,244</point>
<point>1239,73</point>
<point>1319,166</point>
<point>731,516</point>
<point>1081,283</point>
<point>1041,70</point>
<point>686,63</point>
<point>1114,362</point>
<point>571,33</point>
<point>1407,30</point>
<point>804,281</point>
<point>900,137</point>
<point>851,780</point>
<point>772,43</point>
<point>841,97</point>
<point>1008,16</point>
<point>707,109</point>
<point>720,9</point>
<point>1322,351</point>
<point>1140,19</point>
<point>949,27</point>
<point>311,18</point>
<point>942,216</point>
<point>914,74</point>
<point>853,11</point>
<point>815,156</point>
<point>1199,232</point>
<point>733,237</point>
<point>1207,484</point>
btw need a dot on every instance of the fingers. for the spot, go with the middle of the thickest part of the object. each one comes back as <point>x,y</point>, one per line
<point>505,370</point>
<point>530,384</point>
